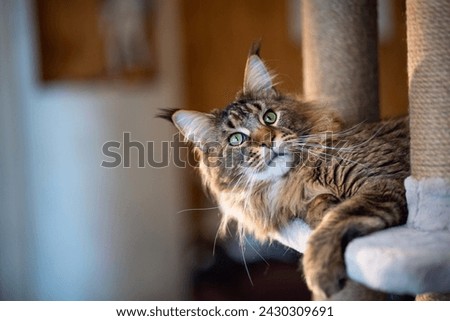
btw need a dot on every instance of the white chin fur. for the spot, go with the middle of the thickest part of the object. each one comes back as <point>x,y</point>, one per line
<point>276,169</point>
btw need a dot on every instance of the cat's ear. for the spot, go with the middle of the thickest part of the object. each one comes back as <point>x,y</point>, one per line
<point>193,125</point>
<point>257,78</point>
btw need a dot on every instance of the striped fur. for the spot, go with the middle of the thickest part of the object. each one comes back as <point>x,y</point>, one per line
<point>344,182</point>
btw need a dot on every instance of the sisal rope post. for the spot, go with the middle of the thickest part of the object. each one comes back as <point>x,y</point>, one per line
<point>340,65</point>
<point>340,56</point>
<point>428,36</point>
<point>415,258</point>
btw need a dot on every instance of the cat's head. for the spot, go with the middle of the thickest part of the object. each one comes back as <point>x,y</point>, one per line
<point>257,138</point>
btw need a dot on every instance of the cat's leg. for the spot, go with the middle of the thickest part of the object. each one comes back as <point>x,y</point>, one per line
<point>318,207</point>
<point>376,207</point>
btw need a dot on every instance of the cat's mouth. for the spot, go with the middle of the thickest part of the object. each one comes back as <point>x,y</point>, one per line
<point>274,156</point>
<point>274,165</point>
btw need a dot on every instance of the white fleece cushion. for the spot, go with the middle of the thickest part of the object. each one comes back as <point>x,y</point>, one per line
<point>410,259</point>
<point>414,258</point>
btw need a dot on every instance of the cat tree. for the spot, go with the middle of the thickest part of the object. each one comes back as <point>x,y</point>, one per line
<point>340,56</point>
<point>340,65</point>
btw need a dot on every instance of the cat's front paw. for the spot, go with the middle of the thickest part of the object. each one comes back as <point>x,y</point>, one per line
<point>324,268</point>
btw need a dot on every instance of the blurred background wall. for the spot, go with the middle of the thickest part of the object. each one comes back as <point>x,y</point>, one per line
<point>72,229</point>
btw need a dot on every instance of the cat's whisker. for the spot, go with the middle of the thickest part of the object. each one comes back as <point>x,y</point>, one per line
<point>351,148</point>
<point>328,157</point>
<point>309,145</point>
<point>223,227</point>
<point>257,252</point>
<point>242,247</point>
<point>344,132</point>
<point>215,242</point>
<point>198,209</point>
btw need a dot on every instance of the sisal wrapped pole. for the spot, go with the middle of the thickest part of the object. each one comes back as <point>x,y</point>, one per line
<point>428,36</point>
<point>340,56</point>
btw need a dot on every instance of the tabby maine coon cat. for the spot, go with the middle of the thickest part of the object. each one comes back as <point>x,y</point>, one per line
<point>268,158</point>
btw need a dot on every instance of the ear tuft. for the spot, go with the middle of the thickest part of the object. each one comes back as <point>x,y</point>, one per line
<point>255,48</point>
<point>166,113</point>
<point>257,79</point>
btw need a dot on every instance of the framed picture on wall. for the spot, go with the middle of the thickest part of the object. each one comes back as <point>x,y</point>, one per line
<point>97,39</point>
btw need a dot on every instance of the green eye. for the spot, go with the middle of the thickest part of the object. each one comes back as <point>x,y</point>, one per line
<point>236,139</point>
<point>270,117</point>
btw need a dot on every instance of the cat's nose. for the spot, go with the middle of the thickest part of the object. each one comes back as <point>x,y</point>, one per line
<point>264,137</point>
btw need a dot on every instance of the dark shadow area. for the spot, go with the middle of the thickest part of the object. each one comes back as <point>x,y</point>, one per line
<point>227,279</point>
